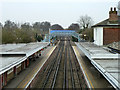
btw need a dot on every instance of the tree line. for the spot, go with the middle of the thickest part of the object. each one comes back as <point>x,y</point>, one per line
<point>24,33</point>
<point>15,33</point>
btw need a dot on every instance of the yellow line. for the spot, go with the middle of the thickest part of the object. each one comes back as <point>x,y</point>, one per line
<point>35,69</point>
<point>28,77</point>
<point>84,69</point>
<point>19,86</point>
<point>87,76</point>
<point>25,84</point>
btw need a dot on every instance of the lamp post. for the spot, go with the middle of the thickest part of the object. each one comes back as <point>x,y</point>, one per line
<point>84,36</point>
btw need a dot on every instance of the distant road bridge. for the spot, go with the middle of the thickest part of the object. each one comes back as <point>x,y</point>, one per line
<point>54,33</point>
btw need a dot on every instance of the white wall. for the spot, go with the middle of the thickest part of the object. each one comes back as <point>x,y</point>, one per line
<point>98,36</point>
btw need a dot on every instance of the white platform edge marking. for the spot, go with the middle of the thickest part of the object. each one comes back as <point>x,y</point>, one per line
<point>39,69</point>
<point>101,70</point>
<point>82,70</point>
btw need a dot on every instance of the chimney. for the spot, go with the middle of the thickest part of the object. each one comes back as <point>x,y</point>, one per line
<point>119,12</point>
<point>113,17</point>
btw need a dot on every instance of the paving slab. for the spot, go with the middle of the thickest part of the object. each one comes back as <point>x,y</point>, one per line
<point>104,61</point>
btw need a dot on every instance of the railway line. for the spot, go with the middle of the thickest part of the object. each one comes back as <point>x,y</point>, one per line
<point>62,69</point>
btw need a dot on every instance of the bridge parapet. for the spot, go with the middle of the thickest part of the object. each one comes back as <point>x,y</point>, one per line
<point>54,33</point>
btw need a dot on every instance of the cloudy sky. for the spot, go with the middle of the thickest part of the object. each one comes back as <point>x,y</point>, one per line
<point>63,12</point>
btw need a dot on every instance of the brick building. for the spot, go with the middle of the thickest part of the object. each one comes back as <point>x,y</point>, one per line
<point>108,31</point>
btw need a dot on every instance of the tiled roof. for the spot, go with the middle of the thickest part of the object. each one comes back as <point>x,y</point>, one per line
<point>115,45</point>
<point>106,23</point>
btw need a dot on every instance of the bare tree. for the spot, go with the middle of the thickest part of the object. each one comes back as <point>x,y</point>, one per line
<point>85,21</point>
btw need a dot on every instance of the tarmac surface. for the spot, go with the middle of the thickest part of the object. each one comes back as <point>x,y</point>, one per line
<point>95,79</point>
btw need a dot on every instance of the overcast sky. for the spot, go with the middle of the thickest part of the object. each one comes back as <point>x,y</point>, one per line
<point>63,12</point>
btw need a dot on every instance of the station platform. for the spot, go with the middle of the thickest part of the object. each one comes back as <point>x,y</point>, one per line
<point>25,78</point>
<point>104,61</point>
<point>19,52</point>
<point>14,58</point>
<point>91,74</point>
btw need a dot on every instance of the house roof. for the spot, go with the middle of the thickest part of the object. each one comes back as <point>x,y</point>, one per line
<point>106,23</point>
<point>115,45</point>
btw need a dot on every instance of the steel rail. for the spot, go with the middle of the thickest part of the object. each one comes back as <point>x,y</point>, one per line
<point>46,69</point>
<point>66,66</point>
<point>57,68</point>
<point>65,81</point>
<point>50,70</point>
<point>71,71</point>
<point>75,63</point>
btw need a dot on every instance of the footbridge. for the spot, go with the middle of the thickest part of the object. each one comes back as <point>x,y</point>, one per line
<point>54,33</point>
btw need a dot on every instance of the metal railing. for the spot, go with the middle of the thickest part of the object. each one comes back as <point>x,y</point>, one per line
<point>50,36</point>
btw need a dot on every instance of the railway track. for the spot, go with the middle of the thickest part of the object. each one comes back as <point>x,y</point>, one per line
<point>62,69</point>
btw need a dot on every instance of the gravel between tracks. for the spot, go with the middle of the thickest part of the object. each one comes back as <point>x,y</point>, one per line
<point>62,69</point>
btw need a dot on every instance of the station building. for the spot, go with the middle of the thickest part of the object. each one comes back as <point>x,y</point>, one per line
<point>108,31</point>
<point>14,58</point>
